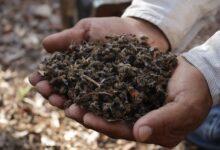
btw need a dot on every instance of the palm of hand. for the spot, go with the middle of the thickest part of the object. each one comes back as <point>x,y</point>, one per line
<point>188,95</point>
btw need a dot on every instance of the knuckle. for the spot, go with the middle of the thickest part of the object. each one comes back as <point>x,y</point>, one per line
<point>86,26</point>
<point>85,23</point>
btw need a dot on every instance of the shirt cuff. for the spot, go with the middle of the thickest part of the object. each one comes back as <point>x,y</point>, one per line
<point>175,19</point>
<point>150,17</point>
<point>197,57</point>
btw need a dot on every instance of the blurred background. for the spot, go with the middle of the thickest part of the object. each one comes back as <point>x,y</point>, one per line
<point>27,121</point>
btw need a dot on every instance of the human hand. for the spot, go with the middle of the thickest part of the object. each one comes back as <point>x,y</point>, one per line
<point>98,28</point>
<point>93,29</point>
<point>167,126</point>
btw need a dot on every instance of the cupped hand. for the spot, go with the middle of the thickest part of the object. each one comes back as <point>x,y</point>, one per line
<point>188,100</point>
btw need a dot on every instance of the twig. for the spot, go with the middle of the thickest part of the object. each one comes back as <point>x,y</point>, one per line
<point>91,80</point>
<point>105,93</point>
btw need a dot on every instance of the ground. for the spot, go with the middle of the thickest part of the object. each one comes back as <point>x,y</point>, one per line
<point>27,121</point>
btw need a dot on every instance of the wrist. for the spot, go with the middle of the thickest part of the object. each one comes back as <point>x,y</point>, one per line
<point>156,37</point>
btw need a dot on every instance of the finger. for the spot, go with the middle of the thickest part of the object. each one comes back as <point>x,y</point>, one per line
<point>114,130</point>
<point>35,77</point>
<point>44,88</point>
<point>167,125</point>
<point>75,112</point>
<point>170,123</point>
<point>62,40</point>
<point>56,101</point>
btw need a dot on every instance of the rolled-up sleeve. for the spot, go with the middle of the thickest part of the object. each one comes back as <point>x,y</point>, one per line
<point>174,17</point>
<point>206,58</point>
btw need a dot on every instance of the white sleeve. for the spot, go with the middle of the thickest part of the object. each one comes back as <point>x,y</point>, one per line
<point>174,17</point>
<point>206,58</point>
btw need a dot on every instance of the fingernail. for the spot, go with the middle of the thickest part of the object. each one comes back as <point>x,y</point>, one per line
<point>72,111</point>
<point>144,133</point>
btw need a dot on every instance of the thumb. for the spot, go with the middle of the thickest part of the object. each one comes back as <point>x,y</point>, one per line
<point>62,40</point>
<point>171,121</point>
